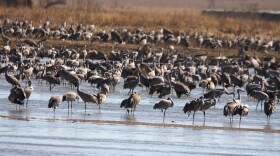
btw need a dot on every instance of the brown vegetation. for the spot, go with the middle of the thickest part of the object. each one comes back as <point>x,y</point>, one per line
<point>89,12</point>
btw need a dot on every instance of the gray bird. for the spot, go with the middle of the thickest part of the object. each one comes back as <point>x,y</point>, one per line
<point>260,96</point>
<point>17,95</point>
<point>126,104</point>
<point>193,106</point>
<point>134,101</point>
<point>87,97</point>
<point>242,110</point>
<point>131,84</point>
<point>54,102</point>
<point>28,90</point>
<point>101,98</point>
<point>230,107</point>
<point>207,104</point>
<point>164,105</point>
<point>269,108</point>
<point>52,80</point>
<point>70,96</point>
<point>131,102</point>
<point>11,79</point>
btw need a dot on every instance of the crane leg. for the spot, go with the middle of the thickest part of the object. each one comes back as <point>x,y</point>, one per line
<point>164,115</point>
<point>71,106</point>
<point>54,113</point>
<point>257,105</point>
<point>239,121</point>
<point>26,103</point>
<point>193,117</point>
<point>267,118</point>
<point>189,114</point>
<point>134,110</point>
<point>51,87</point>
<point>204,116</point>
<point>85,107</point>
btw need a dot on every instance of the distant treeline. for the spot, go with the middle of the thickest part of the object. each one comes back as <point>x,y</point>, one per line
<point>245,14</point>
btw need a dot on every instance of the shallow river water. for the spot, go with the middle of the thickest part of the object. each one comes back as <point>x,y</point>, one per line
<point>110,131</point>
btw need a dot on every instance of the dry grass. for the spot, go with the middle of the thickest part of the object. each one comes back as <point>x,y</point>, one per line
<point>88,12</point>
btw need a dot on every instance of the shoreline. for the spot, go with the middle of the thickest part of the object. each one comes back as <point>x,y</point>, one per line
<point>112,122</point>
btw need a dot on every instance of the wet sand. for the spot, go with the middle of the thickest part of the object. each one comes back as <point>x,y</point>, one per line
<point>142,124</point>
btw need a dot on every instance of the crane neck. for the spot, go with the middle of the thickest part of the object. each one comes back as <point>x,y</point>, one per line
<point>239,97</point>
<point>172,103</point>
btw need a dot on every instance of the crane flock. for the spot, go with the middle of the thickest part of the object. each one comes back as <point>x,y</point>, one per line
<point>164,71</point>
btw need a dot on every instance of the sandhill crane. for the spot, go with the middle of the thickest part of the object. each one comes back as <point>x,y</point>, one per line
<point>225,79</point>
<point>208,84</point>
<point>3,69</point>
<point>132,84</point>
<point>11,79</point>
<point>155,80</point>
<point>73,79</point>
<point>235,81</point>
<point>163,105</point>
<point>63,76</point>
<point>17,95</point>
<point>146,70</point>
<point>87,97</point>
<point>114,81</point>
<point>194,106</point>
<point>28,90</point>
<point>28,72</point>
<point>101,98</point>
<point>13,68</point>
<point>207,104</point>
<point>104,88</point>
<point>260,97</point>
<point>70,96</point>
<point>134,101</point>
<point>40,74</point>
<point>54,102</point>
<point>101,83</point>
<point>242,110</point>
<point>126,104</point>
<point>231,106</point>
<point>165,90</point>
<point>131,102</point>
<point>217,93</point>
<point>52,80</point>
<point>155,88</point>
<point>95,79</point>
<point>269,108</point>
<point>180,89</point>
<point>5,39</point>
<point>144,81</point>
